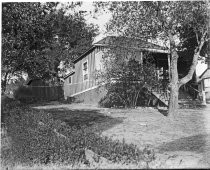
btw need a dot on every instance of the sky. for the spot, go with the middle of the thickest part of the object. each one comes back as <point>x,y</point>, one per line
<point>100,19</point>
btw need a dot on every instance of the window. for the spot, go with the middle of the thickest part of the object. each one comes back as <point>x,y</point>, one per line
<point>70,80</point>
<point>85,70</point>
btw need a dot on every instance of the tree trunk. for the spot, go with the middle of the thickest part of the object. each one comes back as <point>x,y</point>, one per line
<point>174,88</point>
<point>175,84</point>
<point>173,102</point>
<point>4,84</point>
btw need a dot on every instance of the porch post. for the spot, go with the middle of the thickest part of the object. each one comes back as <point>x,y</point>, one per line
<point>169,66</point>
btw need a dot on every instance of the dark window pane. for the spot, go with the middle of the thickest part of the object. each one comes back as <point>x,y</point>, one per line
<point>85,66</point>
<point>85,76</point>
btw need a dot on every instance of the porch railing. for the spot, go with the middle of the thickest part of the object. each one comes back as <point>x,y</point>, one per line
<point>161,91</point>
<point>193,92</point>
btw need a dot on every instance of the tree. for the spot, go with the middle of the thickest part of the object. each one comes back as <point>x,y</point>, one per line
<point>166,21</point>
<point>37,36</point>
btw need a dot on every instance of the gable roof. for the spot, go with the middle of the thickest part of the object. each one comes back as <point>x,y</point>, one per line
<point>125,42</point>
<point>205,74</point>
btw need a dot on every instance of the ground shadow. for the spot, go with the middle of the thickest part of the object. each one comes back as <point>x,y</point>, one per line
<point>194,143</point>
<point>87,117</point>
<point>163,112</point>
<point>45,103</point>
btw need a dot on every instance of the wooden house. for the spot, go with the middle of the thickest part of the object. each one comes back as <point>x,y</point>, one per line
<point>80,84</point>
<point>204,84</point>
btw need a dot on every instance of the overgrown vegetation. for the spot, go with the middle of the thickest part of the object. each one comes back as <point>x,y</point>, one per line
<point>125,77</point>
<point>36,138</point>
<point>24,95</point>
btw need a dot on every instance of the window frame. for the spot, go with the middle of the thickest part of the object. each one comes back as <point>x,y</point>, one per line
<point>85,72</point>
<point>70,77</point>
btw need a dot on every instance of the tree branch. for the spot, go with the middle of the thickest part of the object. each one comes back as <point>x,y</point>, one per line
<point>188,77</point>
<point>196,34</point>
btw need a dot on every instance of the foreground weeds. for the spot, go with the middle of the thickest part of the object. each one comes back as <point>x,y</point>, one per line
<point>33,137</point>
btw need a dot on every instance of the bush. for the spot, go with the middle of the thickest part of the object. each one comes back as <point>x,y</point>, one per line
<point>124,76</point>
<point>111,100</point>
<point>24,94</point>
<point>7,104</point>
<point>34,140</point>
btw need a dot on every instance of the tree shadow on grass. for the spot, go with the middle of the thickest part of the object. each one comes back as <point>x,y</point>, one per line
<point>163,112</point>
<point>84,117</point>
<point>194,143</point>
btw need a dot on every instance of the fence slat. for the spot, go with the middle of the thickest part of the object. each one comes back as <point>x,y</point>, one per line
<point>47,93</point>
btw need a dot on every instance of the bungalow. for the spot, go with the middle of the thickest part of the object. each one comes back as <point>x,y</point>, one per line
<point>81,85</point>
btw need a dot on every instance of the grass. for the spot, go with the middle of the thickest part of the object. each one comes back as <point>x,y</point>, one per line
<point>109,131</point>
<point>36,137</point>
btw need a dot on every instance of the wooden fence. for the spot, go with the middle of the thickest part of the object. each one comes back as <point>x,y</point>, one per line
<point>48,93</point>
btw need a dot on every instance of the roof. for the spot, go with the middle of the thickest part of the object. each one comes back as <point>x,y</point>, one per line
<point>125,42</point>
<point>205,74</point>
<point>128,42</point>
<point>66,76</point>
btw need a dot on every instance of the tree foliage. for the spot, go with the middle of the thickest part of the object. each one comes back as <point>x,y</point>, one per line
<point>37,36</point>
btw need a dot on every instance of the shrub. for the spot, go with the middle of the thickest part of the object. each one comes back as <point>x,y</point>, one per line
<point>34,139</point>
<point>24,94</point>
<point>125,77</point>
<point>7,104</point>
<point>111,100</point>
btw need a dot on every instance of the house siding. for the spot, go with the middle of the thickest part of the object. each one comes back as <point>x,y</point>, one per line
<point>78,84</point>
<point>92,96</point>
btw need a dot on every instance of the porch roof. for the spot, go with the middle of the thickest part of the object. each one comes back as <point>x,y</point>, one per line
<point>205,75</point>
<point>130,43</point>
<point>125,42</point>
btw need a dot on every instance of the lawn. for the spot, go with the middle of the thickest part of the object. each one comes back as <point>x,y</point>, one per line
<point>183,143</point>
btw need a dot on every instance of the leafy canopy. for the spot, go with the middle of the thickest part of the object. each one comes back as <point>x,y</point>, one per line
<point>37,36</point>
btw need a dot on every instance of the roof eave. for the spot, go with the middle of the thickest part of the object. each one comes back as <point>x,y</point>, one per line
<point>81,56</point>
<point>107,45</point>
<point>71,73</point>
<point>203,74</point>
<point>139,49</point>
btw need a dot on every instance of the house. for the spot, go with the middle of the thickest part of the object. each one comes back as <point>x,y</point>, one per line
<point>81,85</point>
<point>204,84</point>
